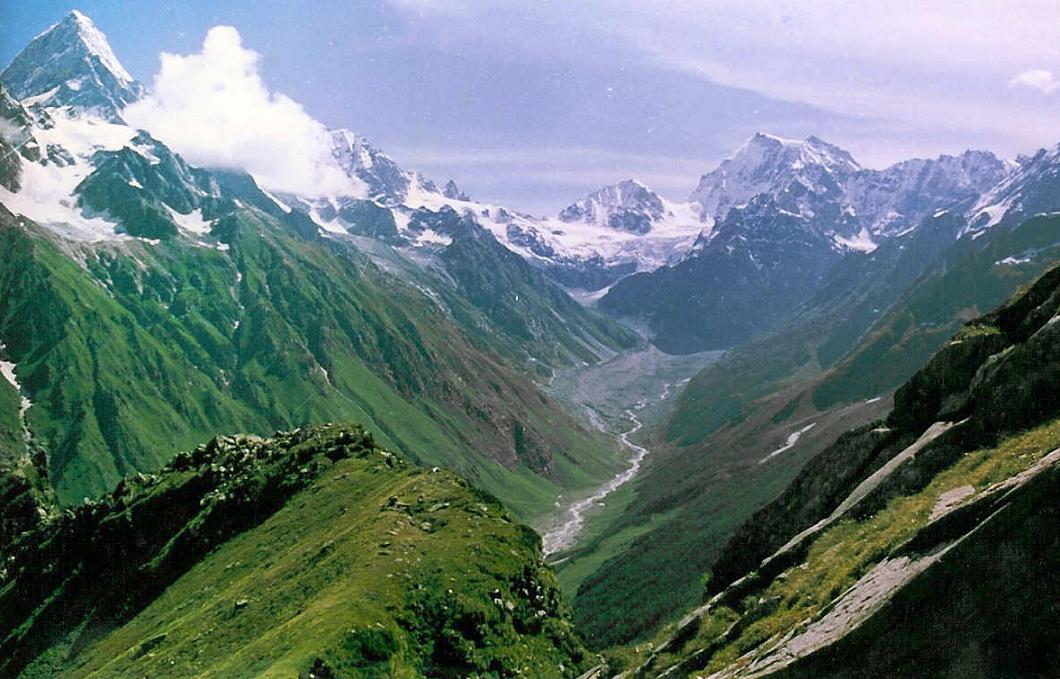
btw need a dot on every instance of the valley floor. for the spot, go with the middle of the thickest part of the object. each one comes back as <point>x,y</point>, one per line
<point>624,396</point>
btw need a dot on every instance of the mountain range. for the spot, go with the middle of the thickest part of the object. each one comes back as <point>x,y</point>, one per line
<point>882,421</point>
<point>149,303</point>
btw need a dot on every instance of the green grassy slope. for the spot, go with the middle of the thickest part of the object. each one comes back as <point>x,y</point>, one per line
<point>686,504</point>
<point>144,347</point>
<point>735,632</point>
<point>960,287</point>
<point>312,552</point>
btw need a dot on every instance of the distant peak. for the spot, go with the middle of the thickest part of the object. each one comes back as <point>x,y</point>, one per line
<point>622,192</point>
<point>72,64</point>
<point>628,205</point>
<point>772,139</point>
<point>764,138</point>
<point>812,150</point>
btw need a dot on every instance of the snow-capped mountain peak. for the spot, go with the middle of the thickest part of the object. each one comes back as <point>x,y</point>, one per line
<point>832,194</point>
<point>893,200</point>
<point>773,190</point>
<point>1031,186</point>
<point>385,180</point>
<point>771,164</point>
<point>626,206</point>
<point>72,64</point>
<point>96,43</point>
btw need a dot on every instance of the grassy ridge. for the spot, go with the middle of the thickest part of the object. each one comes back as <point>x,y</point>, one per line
<point>314,551</point>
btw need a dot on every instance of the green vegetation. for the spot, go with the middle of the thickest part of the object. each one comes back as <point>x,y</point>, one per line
<point>164,345</point>
<point>838,352</point>
<point>845,552</point>
<point>12,443</point>
<point>657,574</point>
<point>524,303</point>
<point>930,312</point>
<point>995,386</point>
<point>312,552</point>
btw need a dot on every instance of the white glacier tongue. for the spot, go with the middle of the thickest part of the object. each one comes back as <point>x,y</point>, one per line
<point>7,369</point>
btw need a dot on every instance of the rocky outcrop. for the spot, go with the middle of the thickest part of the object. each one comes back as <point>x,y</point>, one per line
<point>971,595</point>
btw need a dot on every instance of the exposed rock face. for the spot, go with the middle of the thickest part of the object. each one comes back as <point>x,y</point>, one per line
<point>972,595</point>
<point>769,165</point>
<point>756,265</point>
<point>1030,188</point>
<point>453,191</point>
<point>384,179</point>
<point>626,206</point>
<point>803,176</point>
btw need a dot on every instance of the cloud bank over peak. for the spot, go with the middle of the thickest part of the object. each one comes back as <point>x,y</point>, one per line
<point>214,109</point>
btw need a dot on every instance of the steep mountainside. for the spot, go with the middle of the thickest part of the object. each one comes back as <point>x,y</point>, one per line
<point>314,553</point>
<point>973,276</point>
<point>17,142</point>
<point>71,64</point>
<point>141,345</point>
<point>756,265</point>
<point>877,317</point>
<point>743,427</point>
<point>771,166</point>
<point>149,303</point>
<point>1028,190</point>
<point>102,179</point>
<point>920,544</point>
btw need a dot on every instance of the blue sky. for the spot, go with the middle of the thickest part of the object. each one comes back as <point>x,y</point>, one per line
<point>535,104</point>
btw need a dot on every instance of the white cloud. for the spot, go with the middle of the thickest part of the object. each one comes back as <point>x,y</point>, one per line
<point>905,60</point>
<point>214,109</point>
<point>1036,79</point>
